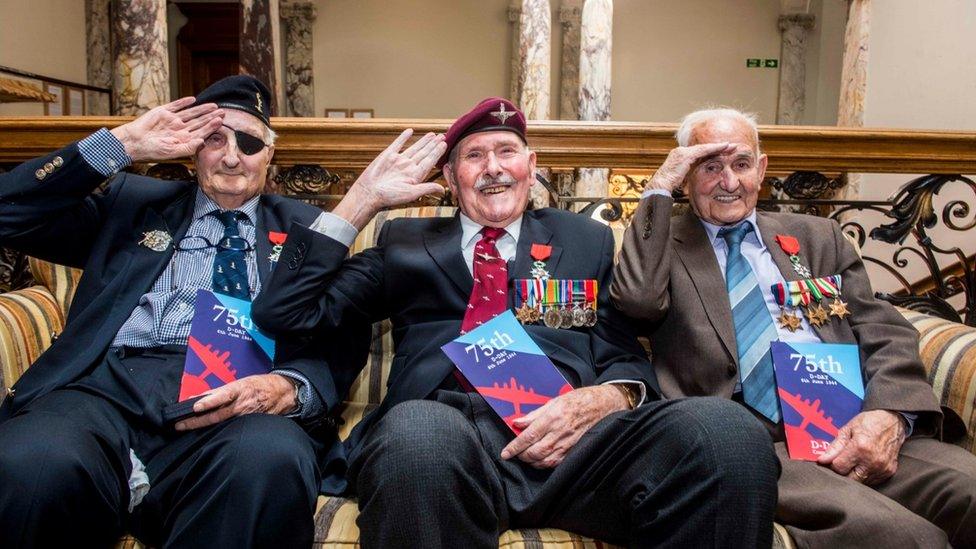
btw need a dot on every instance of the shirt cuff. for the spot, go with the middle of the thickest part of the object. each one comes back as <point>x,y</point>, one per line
<point>309,403</point>
<point>104,153</point>
<point>655,192</point>
<point>642,389</point>
<point>910,422</point>
<point>335,228</point>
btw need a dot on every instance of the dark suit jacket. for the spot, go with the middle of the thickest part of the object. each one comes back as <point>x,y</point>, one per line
<point>668,275</point>
<point>417,278</point>
<point>60,219</point>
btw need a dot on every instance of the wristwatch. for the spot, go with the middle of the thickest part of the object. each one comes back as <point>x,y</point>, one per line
<point>629,392</point>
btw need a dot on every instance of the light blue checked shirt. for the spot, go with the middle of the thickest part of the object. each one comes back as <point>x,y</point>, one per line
<point>164,313</point>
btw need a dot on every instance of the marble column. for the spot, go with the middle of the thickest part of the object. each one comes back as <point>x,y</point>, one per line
<point>854,77</point>
<point>259,52</point>
<point>793,67</point>
<point>535,36</point>
<point>297,18</point>
<point>514,16</point>
<point>596,46</point>
<point>570,15</point>
<point>98,34</point>
<point>141,56</point>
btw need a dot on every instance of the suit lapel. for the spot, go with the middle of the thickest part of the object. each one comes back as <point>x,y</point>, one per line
<point>266,223</point>
<point>769,227</point>
<point>147,264</point>
<point>444,246</point>
<point>532,232</point>
<point>696,253</point>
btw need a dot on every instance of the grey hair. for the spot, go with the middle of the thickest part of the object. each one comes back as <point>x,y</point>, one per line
<point>699,117</point>
<point>270,135</point>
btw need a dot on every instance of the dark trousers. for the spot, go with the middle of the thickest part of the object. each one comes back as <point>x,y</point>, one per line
<point>64,467</point>
<point>697,472</point>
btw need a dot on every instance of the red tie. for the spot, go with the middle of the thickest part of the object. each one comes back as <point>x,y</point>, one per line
<point>489,296</point>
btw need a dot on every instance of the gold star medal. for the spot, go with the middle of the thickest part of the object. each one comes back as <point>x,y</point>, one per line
<point>817,316</point>
<point>789,321</point>
<point>839,309</point>
<point>524,313</point>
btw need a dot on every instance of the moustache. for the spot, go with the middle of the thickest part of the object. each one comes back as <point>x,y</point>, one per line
<point>488,181</point>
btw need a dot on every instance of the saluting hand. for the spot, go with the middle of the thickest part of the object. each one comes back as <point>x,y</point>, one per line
<point>169,132</point>
<point>552,430</point>
<point>680,161</point>
<point>393,178</point>
<point>866,449</point>
<point>257,394</point>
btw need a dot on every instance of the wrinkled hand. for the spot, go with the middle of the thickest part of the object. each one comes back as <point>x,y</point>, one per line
<point>393,178</point>
<point>866,449</point>
<point>551,430</point>
<point>679,162</point>
<point>258,394</point>
<point>169,132</point>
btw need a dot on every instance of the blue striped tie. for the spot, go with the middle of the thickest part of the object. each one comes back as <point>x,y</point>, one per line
<point>754,328</point>
<point>230,265</point>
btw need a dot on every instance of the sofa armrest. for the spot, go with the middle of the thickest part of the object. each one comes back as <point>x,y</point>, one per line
<point>30,319</point>
<point>948,351</point>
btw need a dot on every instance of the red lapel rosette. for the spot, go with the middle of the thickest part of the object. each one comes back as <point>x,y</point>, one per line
<point>788,243</point>
<point>277,238</point>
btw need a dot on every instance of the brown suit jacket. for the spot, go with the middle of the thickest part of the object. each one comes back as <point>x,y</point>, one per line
<point>667,275</point>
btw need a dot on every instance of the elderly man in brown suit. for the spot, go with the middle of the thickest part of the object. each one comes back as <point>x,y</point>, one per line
<point>886,480</point>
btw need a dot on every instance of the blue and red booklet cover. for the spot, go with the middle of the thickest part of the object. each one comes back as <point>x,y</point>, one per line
<point>507,368</point>
<point>820,389</point>
<point>224,344</point>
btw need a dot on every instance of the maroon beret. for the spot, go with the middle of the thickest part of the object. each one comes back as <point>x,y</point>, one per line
<point>492,114</point>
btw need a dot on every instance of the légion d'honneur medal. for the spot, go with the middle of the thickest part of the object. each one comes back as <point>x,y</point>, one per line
<point>791,246</point>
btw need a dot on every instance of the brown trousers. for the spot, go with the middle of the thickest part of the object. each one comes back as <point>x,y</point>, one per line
<point>929,502</point>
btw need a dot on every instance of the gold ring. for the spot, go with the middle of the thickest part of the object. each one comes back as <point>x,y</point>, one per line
<point>860,475</point>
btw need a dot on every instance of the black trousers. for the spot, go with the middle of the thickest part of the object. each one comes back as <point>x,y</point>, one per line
<point>64,467</point>
<point>697,472</point>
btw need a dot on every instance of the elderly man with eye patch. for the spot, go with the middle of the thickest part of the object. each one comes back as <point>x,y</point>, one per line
<point>86,453</point>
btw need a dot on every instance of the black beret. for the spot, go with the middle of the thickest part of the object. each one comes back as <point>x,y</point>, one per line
<point>242,92</point>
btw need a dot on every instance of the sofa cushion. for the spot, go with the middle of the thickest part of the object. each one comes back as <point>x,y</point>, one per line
<point>29,320</point>
<point>61,281</point>
<point>948,352</point>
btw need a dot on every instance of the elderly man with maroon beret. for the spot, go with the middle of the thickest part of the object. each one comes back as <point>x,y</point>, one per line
<point>434,465</point>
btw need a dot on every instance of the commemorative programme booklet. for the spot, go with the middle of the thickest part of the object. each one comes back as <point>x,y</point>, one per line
<point>502,362</point>
<point>820,389</point>
<point>224,344</point>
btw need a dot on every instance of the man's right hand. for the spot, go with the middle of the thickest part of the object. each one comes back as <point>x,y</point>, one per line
<point>393,178</point>
<point>169,132</point>
<point>680,161</point>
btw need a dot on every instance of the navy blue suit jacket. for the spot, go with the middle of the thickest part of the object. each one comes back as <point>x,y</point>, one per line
<point>416,277</point>
<point>61,219</point>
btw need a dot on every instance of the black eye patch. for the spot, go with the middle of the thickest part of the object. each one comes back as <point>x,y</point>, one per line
<point>247,143</point>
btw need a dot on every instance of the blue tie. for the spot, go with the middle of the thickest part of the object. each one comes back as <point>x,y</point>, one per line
<point>230,264</point>
<point>754,328</point>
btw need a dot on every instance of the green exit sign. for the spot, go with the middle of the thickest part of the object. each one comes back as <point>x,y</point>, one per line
<point>770,63</point>
<point>753,63</point>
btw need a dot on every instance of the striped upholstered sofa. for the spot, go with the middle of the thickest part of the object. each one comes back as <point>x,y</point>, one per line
<point>31,318</point>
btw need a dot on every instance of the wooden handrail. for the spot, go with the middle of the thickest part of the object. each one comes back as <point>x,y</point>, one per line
<point>351,143</point>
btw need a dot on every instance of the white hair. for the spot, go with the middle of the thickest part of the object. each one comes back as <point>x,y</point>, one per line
<point>699,117</point>
<point>271,135</point>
